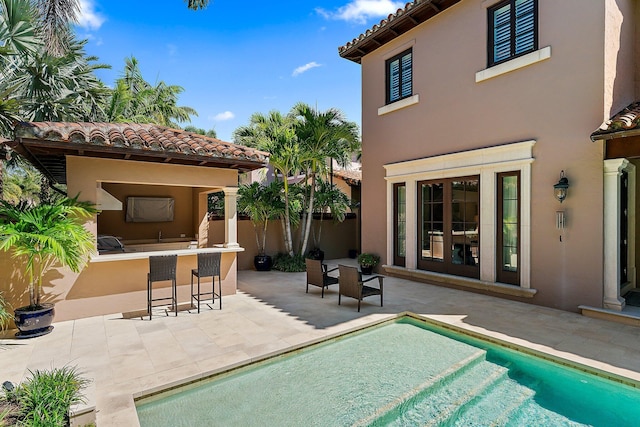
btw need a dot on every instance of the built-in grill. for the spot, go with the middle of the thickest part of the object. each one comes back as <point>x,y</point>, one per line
<point>109,245</point>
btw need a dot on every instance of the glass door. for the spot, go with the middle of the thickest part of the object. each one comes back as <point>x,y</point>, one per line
<point>400,224</point>
<point>448,235</point>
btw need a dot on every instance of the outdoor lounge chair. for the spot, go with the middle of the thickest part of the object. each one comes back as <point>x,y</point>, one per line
<point>317,275</point>
<point>161,268</point>
<point>208,266</point>
<point>352,285</point>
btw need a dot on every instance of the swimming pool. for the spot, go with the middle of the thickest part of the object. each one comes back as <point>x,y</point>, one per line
<point>404,372</point>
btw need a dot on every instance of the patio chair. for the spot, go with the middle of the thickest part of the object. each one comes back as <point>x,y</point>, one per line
<point>352,285</point>
<point>208,265</point>
<point>162,268</point>
<point>317,275</point>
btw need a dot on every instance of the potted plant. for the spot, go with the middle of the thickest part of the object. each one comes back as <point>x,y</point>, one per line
<point>367,262</point>
<point>43,237</point>
<point>261,203</point>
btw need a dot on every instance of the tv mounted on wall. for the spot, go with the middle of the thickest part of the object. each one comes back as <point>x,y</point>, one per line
<point>149,209</point>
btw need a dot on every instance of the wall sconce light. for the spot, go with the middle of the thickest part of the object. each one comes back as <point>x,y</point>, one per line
<point>560,189</point>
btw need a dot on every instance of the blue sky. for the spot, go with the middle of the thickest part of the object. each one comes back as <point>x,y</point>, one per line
<point>236,58</point>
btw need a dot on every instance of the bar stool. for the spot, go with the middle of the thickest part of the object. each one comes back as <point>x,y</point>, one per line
<point>161,268</point>
<point>208,265</point>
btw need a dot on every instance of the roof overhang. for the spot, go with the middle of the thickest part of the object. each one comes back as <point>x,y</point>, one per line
<point>48,152</point>
<point>404,20</point>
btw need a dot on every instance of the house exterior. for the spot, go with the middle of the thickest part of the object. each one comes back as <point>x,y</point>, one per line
<point>472,111</point>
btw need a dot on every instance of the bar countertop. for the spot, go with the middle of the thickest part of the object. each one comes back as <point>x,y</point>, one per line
<point>125,256</point>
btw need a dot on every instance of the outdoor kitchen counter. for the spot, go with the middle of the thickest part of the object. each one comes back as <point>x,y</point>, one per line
<point>124,256</point>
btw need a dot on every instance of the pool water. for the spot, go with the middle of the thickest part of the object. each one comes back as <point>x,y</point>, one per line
<point>403,373</point>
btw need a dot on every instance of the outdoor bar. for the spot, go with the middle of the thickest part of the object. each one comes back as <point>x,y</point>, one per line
<point>150,185</point>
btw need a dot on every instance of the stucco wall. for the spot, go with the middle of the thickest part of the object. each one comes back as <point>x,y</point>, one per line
<point>557,102</point>
<point>336,240</point>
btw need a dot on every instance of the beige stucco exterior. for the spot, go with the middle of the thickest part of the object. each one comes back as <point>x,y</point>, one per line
<point>108,285</point>
<point>586,73</point>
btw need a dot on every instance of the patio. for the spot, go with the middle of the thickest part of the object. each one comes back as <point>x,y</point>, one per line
<point>270,313</point>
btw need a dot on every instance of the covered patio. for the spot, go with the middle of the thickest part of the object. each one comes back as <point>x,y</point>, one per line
<point>118,166</point>
<point>271,312</point>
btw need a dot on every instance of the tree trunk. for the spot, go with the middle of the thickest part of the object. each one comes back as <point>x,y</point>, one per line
<point>309,214</point>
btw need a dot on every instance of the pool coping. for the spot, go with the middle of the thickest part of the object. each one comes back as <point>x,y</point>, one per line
<point>150,393</point>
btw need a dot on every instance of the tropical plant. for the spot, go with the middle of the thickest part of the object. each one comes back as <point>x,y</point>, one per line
<point>275,133</point>
<point>136,100</point>
<point>329,198</point>
<point>45,397</point>
<point>261,204</point>
<point>46,235</point>
<point>5,315</point>
<point>323,137</point>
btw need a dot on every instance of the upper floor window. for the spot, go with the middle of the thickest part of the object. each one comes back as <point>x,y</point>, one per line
<point>399,76</point>
<point>513,29</point>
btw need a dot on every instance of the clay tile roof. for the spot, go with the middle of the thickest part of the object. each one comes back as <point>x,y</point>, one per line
<point>404,19</point>
<point>351,177</point>
<point>51,141</point>
<point>624,123</point>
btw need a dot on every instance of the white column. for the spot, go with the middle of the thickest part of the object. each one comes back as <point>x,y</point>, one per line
<point>611,279</point>
<point>412,249</point>
<point>230,217</point>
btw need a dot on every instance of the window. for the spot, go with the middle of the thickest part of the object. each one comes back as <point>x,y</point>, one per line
<point>399,76</point>
<point>513,30</point>
<point>508,244</point>
<point>400,221</point>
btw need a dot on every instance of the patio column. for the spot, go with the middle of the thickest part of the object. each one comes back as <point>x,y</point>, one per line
<point>612,170</point>
<point>230,217</point>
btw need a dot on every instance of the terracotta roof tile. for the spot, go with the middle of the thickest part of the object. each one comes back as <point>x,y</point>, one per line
<point>404,19</point>
<point>145,137</point>
<point>351,177</point>
<point>623,123</point>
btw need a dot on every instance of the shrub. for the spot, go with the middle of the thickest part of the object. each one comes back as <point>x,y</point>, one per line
<point>5,316</point>
<point>45,397</point>
<point>290,264</point>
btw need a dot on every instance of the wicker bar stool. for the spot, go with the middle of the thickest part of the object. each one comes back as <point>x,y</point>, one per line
<point>208,265</point>
<point>162,268</point>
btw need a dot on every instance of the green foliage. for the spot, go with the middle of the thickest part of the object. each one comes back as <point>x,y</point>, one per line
<point>45,235</point>
<point>210,133</point>
<point>288,263</point>
<point>215,203</point>
<point>5,315</point>
<point>261,203</point>
<point>368,260</point>
<point>45,397</point>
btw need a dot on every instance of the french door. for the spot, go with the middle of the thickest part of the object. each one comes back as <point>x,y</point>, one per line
<point>448,232</point>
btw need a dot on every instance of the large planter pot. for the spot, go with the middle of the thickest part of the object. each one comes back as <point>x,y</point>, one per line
<point>366,269</point>
<point>34,321</point>
<point>262,262</point>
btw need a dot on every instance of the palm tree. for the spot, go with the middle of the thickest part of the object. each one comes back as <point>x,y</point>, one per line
<point>329,198</point>
<point>134,99</point>
<point>261,204</point>
<point>46,235</point>
<point>323,136</point>
<point>275,133</point>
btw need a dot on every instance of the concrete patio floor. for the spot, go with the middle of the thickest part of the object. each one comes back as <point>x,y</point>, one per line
<point>271,312</point>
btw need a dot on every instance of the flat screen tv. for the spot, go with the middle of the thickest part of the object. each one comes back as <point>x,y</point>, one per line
<point>149,209</point>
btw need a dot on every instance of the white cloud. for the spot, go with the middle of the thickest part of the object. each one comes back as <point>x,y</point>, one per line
<point>172,48</point>
<point>360,11</point>
<point>88,17</point>
<point>221,117</point>
<point>304,68</point>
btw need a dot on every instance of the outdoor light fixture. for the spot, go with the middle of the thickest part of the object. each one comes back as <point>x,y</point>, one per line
<point>560,189</point>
